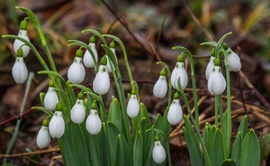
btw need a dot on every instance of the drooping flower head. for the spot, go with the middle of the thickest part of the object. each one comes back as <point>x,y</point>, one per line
<point>133,106</point>
<point>57,123</point>
<point>233,59</point>
<point>93,122</point>
<point>160,87</point>
<point>19,69</point>
<point>112,47</point>
<point>77,113</point>
<point>43,137</point>
<point>87,57</point>
<point>159,153</point>
<point>20,44</point>
<point>179,72</point>
<point>175,113</point>
<point>51,98</point>
<point>216,82</point>
<point>210,64</point>
<point>101,84</point>
<point>76,71</point>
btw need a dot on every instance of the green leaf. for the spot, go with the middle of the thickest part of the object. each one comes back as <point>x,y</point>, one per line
<point>159,122</point>
<point>165,124</point>
<point>265,145</point>
<point>218,148</point>
<point>250,155</point>
<point>149,144</point>
<point>236,149</point>
<point>192,144</point>
<point>138,150</point>
<point>243,127</point>
<point>124,154</point>
<point>226,130</point>
<point>228,162</point>
<point>209,144</point>
<point>115,114</point>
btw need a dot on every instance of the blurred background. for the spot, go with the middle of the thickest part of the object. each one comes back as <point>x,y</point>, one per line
<point>148,28</point>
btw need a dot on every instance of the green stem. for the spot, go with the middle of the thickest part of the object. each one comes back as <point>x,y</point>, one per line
<point>97,34</point>
<point>216,110</point>
<point>18,123</point>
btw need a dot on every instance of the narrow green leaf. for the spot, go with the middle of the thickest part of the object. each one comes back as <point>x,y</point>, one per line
<point>250,155</point>
<point>149,144</point>
<point>138,150</point>
<point>124,154</point>
<point>165,124</point>
<point>192,144</point>
<point>243,127</point>
<point>115,114</point>
<point>265,145</point>
<point>159,122</point>
<point>228,162</point>
<point>236,149</point>
<point>218,148</point>
<point>209,143</point>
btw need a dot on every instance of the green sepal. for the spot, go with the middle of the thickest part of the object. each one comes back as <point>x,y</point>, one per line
<point>112,44</point>
<point>23,25</point>
<point>19,52</point>
<point>103,61</point>
<point>176,95</point>
<point>46,121</point>
<point>80,96</point>
<point>94,105</point>
<point>92,39</point>
<point>181,58</point>
<point>217,62</point>
<point>163,72</point>
<point>79,53</point>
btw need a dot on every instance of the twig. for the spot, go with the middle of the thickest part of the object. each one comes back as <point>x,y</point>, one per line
<point>29,153</point>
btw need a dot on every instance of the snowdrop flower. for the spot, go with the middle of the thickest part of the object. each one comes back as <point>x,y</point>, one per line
<point>77,113</point>
<point>210,65</point>
<point>133,106</point>
<point>160,87</point>
<point>175,113</point>
<point>87,57</point>
<point>159,153</point>
<point>51,98</point>
<point>233,61</point>
<point>76,71</point>
<point>20,44</point>
<point>179,72</point>
<point>216,82</point>
<point>19,70</point>
<point>57,123</point>
<point>93,122</point>
<point>43,138</point>
<point>112,47</point>
<point>101,84</point>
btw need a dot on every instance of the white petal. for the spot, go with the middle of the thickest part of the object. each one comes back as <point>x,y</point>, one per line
<point>93,123</point>
<point>133,106</point>
<point>87,58</point>
<point>179,72</point>
<point>209,67</point>
<point>216,82</point>
<point>234,61</point>
<point>77,113</point>
<point>76,71</point>
<point>101,84</point>
<point>158,154</point>
<point>175,112</point>
<point>43,137</point>
<point>19,71</point>
<point>160,87</point>
<point>50,99</point>
<point>108,60</point>
<point>57,125</point>
<point>18,43</point>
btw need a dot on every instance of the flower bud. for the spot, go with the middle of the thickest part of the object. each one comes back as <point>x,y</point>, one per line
<point>43,138</point>
<point>101,84</point>
<point>175,113</point>
<point>77,113</point>
<point>179,72</point>
<point>112,47</point>
<point>159,153</point>
<point>87,57</point>
<point>133,106</point>
<point>51,98</point>
<point>216,82</point>
<point>76,71</point>
<point>57,123</point>
<point>93,122</point>
<point>19,70</point>
<point>233,61</point>
<point>20,44</point>
<point>160,87</point>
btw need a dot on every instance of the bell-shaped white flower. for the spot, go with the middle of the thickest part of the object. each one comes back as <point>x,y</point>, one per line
<point>175,113</point>
<point>233,61</point>
<point>133,106</point>
<point>216,82</point>
<point>51,98</point>
<point>109,68</point>
<point>43,138</point>
<point>76,71</point>
<point>179,72</point>
<point>57,125</point>
<point>159,153</point>
<point>210,67</point>
<point>19,71</point>
<point>20,44</point>
<point>77,113</point>
<point>87,57</point>
<point>93,122</point>
<point>101,84</point>
<point>160,87</point>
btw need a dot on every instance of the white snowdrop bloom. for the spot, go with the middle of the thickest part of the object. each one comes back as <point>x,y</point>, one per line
<point>160,87</point>
<point>93,122</point>
<point>175,113</point>
<point>159,153</point>
<point>77,113</point>
<point>87,57</point>
<point>210,67</point>
<point>43,138</point>
<point>133,106</point>
<point>233,61</point>
<point>76,71</point>
<point>101,84</point>
<point>19,71</point>
<point>50,99</point>
<point>18,43</point>
<point>216,82</point>
<point>57,125</point>
<point>108,61</point>
<point>179,72</point>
